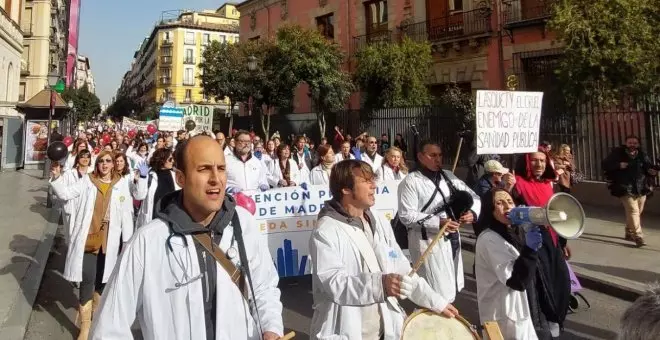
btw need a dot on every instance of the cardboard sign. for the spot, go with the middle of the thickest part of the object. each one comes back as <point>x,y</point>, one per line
<point>508,121</point>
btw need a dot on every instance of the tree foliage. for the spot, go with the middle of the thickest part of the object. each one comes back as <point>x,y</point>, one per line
<point>123,106</point>
<point>459,106</point>
<point>225,74</point>
<point>307,56</point>
<point>86,104</point>
<point>611,47</point>
<point>391,75</point>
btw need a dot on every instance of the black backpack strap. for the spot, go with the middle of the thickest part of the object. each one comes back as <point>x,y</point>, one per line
<point>238,235</point>
<point>151,179</point>
<point>428,203</point>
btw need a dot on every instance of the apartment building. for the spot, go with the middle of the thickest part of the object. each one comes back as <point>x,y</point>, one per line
<point>166,65</point>
<point>11,48</point>
<point>84,74</point>
<point>475,44</point>
<point>45,25</point>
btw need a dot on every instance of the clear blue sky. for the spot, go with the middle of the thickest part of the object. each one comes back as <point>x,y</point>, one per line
<point>110,32</point>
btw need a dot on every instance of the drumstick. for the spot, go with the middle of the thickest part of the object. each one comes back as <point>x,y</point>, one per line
<point>421,260</point>
<point>288,336</point>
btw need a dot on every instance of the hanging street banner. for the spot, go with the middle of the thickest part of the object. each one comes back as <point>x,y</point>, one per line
<point>128,124</point>
<point>170,118</point>
<point>287,216</point>
<point>508,121</point>
<point>201,114</point>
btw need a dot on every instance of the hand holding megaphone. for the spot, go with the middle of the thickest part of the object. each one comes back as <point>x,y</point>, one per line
<point>533,237</point>
<point>563,213</point>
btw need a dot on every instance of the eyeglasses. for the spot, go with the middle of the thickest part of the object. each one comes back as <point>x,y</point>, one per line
<point>170,159</point>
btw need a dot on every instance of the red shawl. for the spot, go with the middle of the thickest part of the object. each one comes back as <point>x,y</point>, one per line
<point>537,194</point>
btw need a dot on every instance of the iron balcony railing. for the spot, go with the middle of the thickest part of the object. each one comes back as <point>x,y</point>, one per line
<point>165,80</point>
<point>362,41</point>
<point>453,26</point>
<point>166,42</point>
<point>189,61</point>
<point>166,59</point>
<point>521,11</point>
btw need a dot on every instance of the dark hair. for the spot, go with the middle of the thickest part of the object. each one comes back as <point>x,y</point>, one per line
<point>630,137</point>
<point>127,166</point>
<point>76,143</point>
<point>141,144</point>
<point>426,143</point>
<point>160,137</point>
<point>82,153</point>
<point>322,150</point>
<point>342,176</point>
<point>280,149</point>
<point>159,158</point>
<point>241,132</point>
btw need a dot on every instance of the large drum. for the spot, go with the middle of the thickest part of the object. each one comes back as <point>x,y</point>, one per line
<point>426,325</point>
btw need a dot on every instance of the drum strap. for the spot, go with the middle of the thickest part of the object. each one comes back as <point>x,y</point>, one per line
<point>360,242</point>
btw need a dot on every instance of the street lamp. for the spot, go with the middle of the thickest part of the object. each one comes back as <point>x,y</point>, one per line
<point>252,66</point>
<point>53,78</point>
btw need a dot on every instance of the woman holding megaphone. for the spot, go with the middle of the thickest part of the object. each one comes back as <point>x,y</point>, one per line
<point>505,268</point>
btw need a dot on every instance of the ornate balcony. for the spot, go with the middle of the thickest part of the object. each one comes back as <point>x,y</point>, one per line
<point>362,41</point>
<point>526,12</point>
<point>455,26</point>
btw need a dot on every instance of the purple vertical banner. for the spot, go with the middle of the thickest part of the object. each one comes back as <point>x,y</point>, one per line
<point>72,45</point>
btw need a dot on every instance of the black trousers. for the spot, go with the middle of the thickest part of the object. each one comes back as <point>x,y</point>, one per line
<point>92,276</point>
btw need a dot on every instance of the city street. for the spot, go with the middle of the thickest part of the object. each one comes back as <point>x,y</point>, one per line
<point>54,312</point>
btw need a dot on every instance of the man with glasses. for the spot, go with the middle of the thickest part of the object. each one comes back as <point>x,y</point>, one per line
<point>245,172</point>
<point>371,156</point>
<point>424,196</point>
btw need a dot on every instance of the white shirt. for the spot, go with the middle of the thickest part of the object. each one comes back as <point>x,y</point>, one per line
<point>339,157</point>
<point>375,163</point>
<point>386,173</point>
<point>246,176</point>
<point>318,176</point>
<point>277,175</point>
<point>494,259</point>
<point>441,270</point>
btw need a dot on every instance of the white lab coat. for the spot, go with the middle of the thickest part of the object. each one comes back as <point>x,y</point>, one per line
<point>163,288</point>
<point>70,162</point>
<point>69,208</point>
<point>246,176</point>
<point>339,157</point>
<point>386,173</point>
<point>494,259</point>
<point>276,173</point>
<point>121,222</point>
<point>318,176</point>
<point>146,193</point>
<point>341,287</point>
<point>375,163</point>
<point>441,271</point>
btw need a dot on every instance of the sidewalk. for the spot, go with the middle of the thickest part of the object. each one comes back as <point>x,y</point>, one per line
<point>603,260</point>
<point>26,237</point>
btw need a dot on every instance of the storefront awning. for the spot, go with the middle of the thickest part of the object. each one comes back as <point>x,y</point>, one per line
<point>41,100</point>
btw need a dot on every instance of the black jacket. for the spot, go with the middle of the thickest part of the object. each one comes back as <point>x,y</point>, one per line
<point>632,179</point>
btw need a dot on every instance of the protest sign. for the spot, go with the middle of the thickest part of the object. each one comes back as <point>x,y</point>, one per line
<point>287,216</point>
<point>201,114</point>
<point>170,118</point>
<point>138,125</point>
<point>508,121</point>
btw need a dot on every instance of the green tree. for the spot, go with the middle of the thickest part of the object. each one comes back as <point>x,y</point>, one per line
<point>458,106</point>
<point>270,85</point>
<point>391,75</point>
<point>149,111</point>
<point>611,47</point>
<point>122,107</point>
<point>307,56</point>
<point>225,74</point>
<point>86,103</point>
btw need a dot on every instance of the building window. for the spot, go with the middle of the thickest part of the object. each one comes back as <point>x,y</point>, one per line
<point>325,25</point>
<point>376,15</point>
<point>205,97</point>
<point>166,36</point>
<point>455,5</point>
<point>254,38</point>
<point>188,77</point>
<point>234,12</point>
<point>188,95</point>
<point>190,38</point>
<point>206,39</point>
<point>21,92</point>
<point>223,38</point>
<point>189,58</point>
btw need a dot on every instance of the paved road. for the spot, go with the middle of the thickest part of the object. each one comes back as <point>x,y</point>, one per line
<point>54,311</point>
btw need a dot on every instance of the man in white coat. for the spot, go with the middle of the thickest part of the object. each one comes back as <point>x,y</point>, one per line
<point>371,155</point>
<point>359,270</point>
<point>173,285</point>
<point>244,171</point>
<point>424,196</point>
